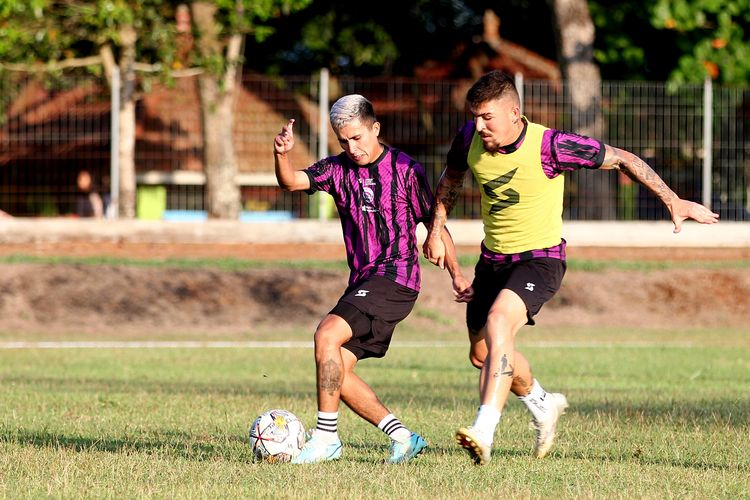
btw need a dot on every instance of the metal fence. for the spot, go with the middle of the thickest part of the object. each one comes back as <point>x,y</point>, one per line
<point>51,129</point>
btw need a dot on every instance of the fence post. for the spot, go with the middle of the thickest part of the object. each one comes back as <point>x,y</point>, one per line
<point>114,146</point>
<point>519,88</point>
<point>323,136</point>
<point>708,116</point>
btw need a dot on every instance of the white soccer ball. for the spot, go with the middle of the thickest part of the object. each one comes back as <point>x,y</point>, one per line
<point>276,436</point>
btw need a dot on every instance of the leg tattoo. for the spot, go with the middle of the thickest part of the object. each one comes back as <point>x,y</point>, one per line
<point>330,379</point>
<point>506,369</point>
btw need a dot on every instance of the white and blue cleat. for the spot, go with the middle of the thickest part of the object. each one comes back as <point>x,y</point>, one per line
<point>403,452</point>
<point>318,450</point>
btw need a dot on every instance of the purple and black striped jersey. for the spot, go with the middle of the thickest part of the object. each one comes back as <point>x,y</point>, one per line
<point>379,205</point>
<point>561,151</point>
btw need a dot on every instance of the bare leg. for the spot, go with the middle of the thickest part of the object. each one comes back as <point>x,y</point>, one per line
<point>503,370</point>
<point>523,378</point>
<point>324,444</point>
<point>331,334</point>
<point>506,316</point>
<point>358,395</point>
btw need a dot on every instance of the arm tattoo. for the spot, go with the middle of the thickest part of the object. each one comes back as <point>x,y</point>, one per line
<point>448,194</point>
<point>640,171</point>
<point>330,377</point>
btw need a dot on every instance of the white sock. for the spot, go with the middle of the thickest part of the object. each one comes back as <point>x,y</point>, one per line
<point>394,428</point>
<point>487,419</point>
<point>535,401</point>
<point>327,426</point>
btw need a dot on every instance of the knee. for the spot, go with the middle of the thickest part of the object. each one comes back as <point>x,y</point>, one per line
<point>330,334</point>
<point>325,340</point>
<point>498,324</point>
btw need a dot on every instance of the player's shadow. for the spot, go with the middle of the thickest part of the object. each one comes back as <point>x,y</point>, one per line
<point>637,456</point>
<point>362,453</point>
<point>678,416</point>
<point>161,387</point>
<point>714,412</point>
<point>174,444</point>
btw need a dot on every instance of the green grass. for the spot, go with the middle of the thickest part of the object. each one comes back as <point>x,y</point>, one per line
<point>653,414</point>
<point>232,264</point>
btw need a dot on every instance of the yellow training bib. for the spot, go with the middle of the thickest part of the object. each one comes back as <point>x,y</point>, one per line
<point>521,206</point>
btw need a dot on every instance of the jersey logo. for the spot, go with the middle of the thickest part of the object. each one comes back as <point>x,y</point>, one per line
<point>362,293</point>
<point>497,203</point>
<point>368,196</point>
<point>530,287</point>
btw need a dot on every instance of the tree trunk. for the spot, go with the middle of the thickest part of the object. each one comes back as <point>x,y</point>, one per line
<point>217,94</point>
<point>126,148</point>
<point>575,35</point>
<point>218,150</point>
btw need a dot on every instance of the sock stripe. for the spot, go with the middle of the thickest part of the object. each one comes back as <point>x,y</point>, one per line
<point>327,423</point>
<point>392,426</point>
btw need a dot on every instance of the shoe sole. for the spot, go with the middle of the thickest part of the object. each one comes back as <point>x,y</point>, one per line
<point>468,443</point>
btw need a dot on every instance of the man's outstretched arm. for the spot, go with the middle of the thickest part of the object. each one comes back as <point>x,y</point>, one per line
<point>640,171</point>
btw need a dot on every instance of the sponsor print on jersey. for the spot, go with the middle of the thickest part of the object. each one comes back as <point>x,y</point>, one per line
<point>368,195</point>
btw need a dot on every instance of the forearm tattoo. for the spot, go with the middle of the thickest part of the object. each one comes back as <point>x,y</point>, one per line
<point>640,171</point>
<point>330,377</point>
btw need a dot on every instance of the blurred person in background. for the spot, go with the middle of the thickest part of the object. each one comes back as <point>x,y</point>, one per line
<point>519,165</point>
<point>89,202</point>
<point>381,194</point>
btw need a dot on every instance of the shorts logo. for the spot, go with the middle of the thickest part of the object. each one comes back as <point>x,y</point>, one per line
<point>362,293</point>
<point>530,287</point>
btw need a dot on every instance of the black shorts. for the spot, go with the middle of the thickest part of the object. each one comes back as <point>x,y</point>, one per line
<point>534,280</point>
<point>373,308</point>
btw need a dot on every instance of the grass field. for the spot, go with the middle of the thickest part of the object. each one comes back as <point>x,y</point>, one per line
<point>653,414</point>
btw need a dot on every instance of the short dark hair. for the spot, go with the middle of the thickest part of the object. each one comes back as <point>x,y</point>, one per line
<point>490,86</point>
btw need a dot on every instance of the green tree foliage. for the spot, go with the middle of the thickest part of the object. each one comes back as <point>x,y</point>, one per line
<point>668,39</point>
<point>390,38</point>
<point>627,46</point>
<point>42,31</point>
<point>712,38</point>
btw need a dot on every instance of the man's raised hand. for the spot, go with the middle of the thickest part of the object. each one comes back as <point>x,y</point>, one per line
<point>284,141</point>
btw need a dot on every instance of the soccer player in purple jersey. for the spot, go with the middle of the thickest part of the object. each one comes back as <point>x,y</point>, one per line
<point>519,165</point>
<point>381,194</point>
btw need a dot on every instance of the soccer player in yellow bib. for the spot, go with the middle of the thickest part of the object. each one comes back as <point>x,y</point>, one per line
<point>518,166</point>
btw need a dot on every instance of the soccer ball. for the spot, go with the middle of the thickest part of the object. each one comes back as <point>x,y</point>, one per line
<point>276,436</point>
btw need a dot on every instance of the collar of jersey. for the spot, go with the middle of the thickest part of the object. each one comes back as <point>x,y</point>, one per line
<point>510,148</point>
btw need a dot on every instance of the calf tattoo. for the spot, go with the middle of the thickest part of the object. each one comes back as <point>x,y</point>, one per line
<point>506,369</point>
<point>330,377</point>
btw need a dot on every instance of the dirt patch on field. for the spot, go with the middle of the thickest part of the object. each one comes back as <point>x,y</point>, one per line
<point>111,299</point>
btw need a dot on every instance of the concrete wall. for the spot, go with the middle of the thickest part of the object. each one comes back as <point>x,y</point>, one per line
<point>624,234</point>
